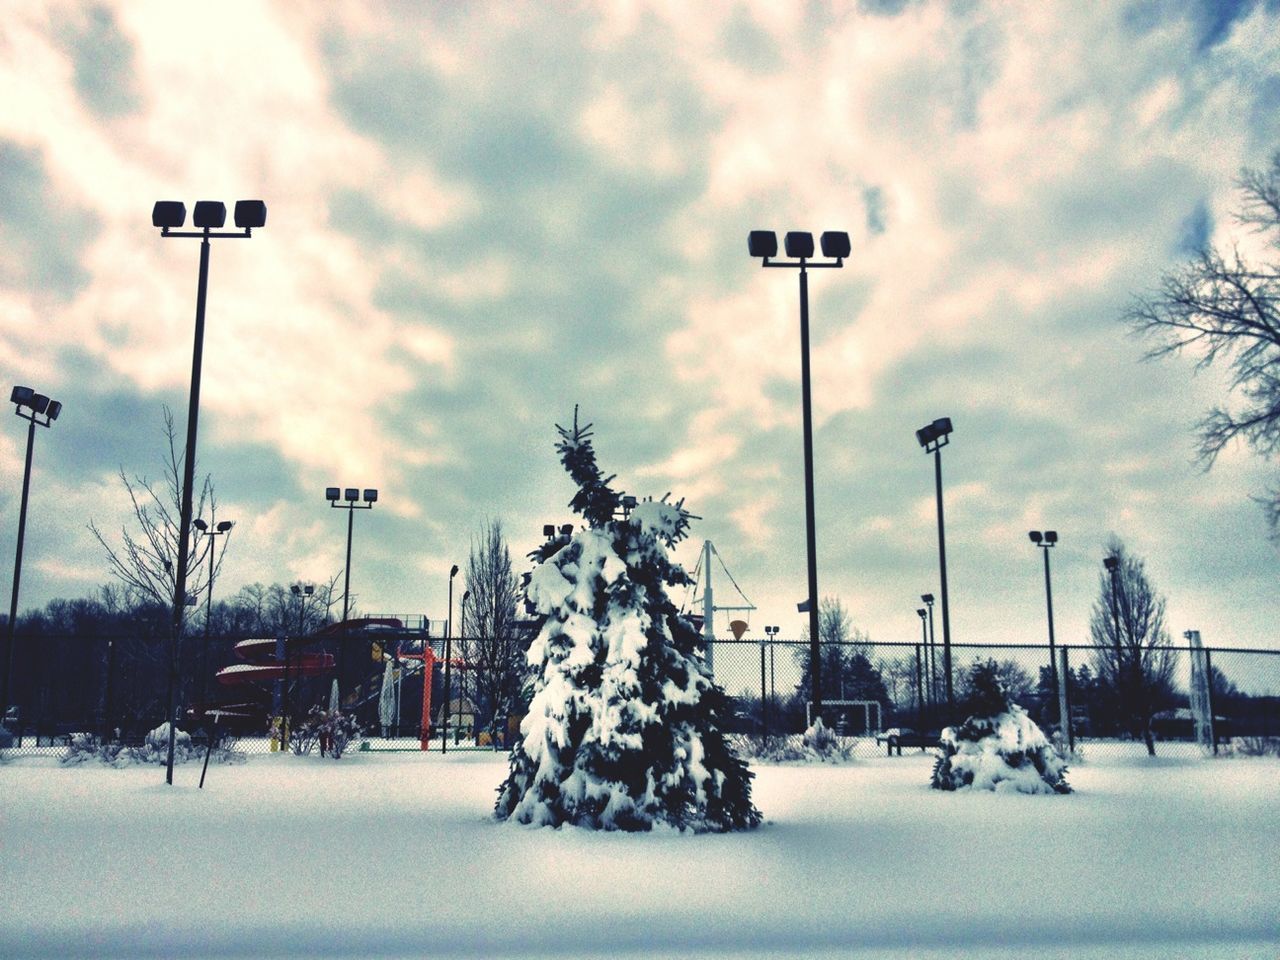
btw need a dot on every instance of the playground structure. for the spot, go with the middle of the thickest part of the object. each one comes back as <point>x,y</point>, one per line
<point>284,660</point>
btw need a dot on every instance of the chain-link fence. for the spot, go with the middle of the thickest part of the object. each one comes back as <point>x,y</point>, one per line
<point>1176,700</point>
<point>1179,699</point>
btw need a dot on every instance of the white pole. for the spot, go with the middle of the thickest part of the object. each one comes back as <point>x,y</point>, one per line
<point>708,610</point>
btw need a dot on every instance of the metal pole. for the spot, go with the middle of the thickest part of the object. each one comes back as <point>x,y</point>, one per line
<point>17,574</point>
<point>184,526</point>
<point>919,689</point>
<point>815,666</point>
<point>448,655</point>
<point>1048,595</point>
<point>346,600</point>
<point>208,617</point>
<point>764,699</point>
<point>946,610</point>
<point>1208,686</point>
<point>1064,706</point>
<point>931,660</point>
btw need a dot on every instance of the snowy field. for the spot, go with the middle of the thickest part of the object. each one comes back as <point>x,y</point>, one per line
<point>394,854</point>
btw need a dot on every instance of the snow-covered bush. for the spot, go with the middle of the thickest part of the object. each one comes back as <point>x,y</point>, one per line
<point>625,728</point>
<point>83,747</point>
<point>1255,746</point>
<point>999,747</point>
<point>809,747</point>
<point>331,731</point>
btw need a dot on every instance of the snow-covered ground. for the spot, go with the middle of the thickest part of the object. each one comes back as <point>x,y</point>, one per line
<point>389,855</point>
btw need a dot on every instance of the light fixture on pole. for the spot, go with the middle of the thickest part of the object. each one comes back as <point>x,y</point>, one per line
<point>221,528</point>
<point>40,411</point>
<point>771,633</point>
<point>1112,564</point>
<point>448,656</point>
<point>930,651</point>
<point>1046,541</point>
<point>209,216</point>
<point>799,248</point>
<point>347,498</point>
<point>933,437</point>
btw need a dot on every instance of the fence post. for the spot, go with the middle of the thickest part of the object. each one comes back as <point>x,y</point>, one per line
<point>919,692</point>
<point>1208,687</point>
<point>1064,707</point>
<point>764,699</point>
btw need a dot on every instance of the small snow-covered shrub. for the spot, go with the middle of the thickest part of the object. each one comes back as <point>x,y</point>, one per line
<point>999,747</point>
<point>795,749</point>
<point>1256,746</point>
<point>154,748</point>
<point>332,731</point>
<point>6,738</point>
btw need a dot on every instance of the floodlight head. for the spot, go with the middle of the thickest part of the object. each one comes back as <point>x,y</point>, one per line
<point>350,494</point>
<point>370,495</point>
<point>309,589</point>
<point>55,408</point>
<point>566,530</point>
<point>210,214</point>
<point>295,589</point>
<point>250,214</point>
<point>762,243</point>
<point>200,525</point>
<point>926,435</point>
<point>835,243</point>
<point>453,571</point>
<point>22,396</point>
<point>548,530</point>
<point>225,525</point>
<point>628,502</point>
<point>798,244</point>
<point>1051,536</point>
<point>1036,536</point>
<point>39,402</point>
<point>1110,562</point>
<point>331,494</point>
<point>922,613</point>
<point>927,597</point>
<point>169,214</point>
<point>942,426</point>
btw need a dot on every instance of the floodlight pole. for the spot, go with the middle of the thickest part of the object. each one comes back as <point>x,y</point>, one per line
<point>801,261</point>
<point>188,466</point>
<point>351,505</point>
<point>448,658</point>
<point>933,438</point>
<point>17,572</point>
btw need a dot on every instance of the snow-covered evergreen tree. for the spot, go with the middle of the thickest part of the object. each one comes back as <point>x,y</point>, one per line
<point>999,747</point>
<point>625,728</point>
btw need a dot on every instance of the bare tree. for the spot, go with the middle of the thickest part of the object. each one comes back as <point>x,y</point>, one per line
<point>1131,645</point>
<point>493,644</point>
<point>146,562</point>
<point>1223,307</point>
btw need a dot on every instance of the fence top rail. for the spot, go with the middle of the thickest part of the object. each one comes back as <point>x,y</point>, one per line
<point>908,645</point>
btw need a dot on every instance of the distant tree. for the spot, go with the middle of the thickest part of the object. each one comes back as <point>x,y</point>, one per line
<point>492,642</point>
<point>848,672</point>
<point>1224,307</point>
<point>1014,678</point>
<point>1136,664</point>
<point>145,563</point>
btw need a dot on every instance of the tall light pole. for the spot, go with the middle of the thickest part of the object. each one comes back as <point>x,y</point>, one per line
<point>1046,541</point>
<point>41,411</point>
<point>772,633</point>
<point>930,651</point>
<point>799,247</point>
<point>208,216</point>
<point>462,636</point>
<point>349,501</point>
<point>222,528</point>
<point>448,655</point>
<point>933,438</point>
<point>924,642</point>
<point>301,591</point>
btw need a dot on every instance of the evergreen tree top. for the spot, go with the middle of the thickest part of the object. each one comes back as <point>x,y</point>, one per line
<point>599,504</point>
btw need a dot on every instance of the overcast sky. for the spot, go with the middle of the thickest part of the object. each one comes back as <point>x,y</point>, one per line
<point>481,215</point>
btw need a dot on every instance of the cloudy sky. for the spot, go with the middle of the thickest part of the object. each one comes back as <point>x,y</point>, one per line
<point>484,214</point>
